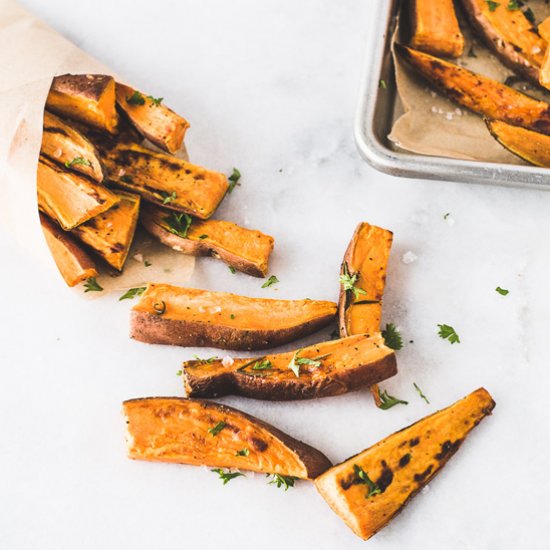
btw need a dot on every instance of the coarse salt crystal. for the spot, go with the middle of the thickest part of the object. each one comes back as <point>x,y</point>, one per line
<point>458,112</point>
<point>121,172</point>
<point>138,257</point>
<point>227,361</point>
<point>449,116</point>
<point>425,489</point>
<point>434,110</point>
<point>409,257</point>
<point>58,153</point>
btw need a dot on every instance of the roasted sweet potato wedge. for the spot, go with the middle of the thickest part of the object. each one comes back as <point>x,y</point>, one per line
<point>526,144</point>
<point>321,370</point>
<point>153,120</point>
<point>73,263</point>
<point>435,28</point>
<point>88,98</point>
<point>544,73</point>
<point>509,34</point>
<point>65,145</point>
<point>192,431</point>
<point>362,282</point>
<point>111,234</point>
<point>165,180</point>
<point>370,488</point>
<point>191,317</point>
<point>478,93</point>
<point>246,250</point>
<point>69,198</point>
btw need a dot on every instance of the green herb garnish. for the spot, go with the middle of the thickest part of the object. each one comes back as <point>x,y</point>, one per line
<point>529,15</point>
<point>226,477</point>
<point>420,393</point>
<point>217,428</point>
<point>132,293</point>
<point>156,101</point>
<point>264,364</point>
<point>392,337</point>
<point>76,161</point>
<point>201,237</point>
<point>502,291</point>
<point>147,264</point>
<point>382,84</point>
<point>242,452</point>
<point>179,373</point>
<point>388,401</point>
<point>282,481</point>
<point>178,224</point>
<point>168,197</point>
<point>270,282</point>
<point>294,365</point>
<point>348,282</point>
<point>514,5</point>
<point>91,285</point>
<point>363,478</point>
<point>448,333</point>
<point>206,361</point>
<point>492,5</point>
<point>232,269</point>
<point>126,179</point>
<point>135,99</point>
<point>234,180</point>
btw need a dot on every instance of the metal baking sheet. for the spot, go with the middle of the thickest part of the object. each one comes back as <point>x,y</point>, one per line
<point>377,110</point>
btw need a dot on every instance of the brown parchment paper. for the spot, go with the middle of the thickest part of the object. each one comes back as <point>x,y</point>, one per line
<point>30,56</point>
<point>433,125</point>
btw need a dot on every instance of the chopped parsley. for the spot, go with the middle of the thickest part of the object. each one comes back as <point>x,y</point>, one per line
<point>156,101</point>
<point>206,361</point>
<point>492,5</point>
<point>294,365</point>
<point>234,179</point>
<point>135,99</point>
<point>392,337</point>
<point>262,364</point>
<point>217,428</point>
<point>388,401</point>
<point>420,393</point>
<point>179,373</point>
<point>201,237</point>
<point>126,179</point>
<point>76,161</point>
<point>363,477</point>
<point>514,5</point>
<point>178,224</point>
<point>147,264</point>
<point>448,333</point>
<point>502,291</point>
<point>242,452</point>
<point>270,282</point>
<point>132,293</point>
<point>168,197</point>
<point>282,481</point>
<point>232,269</point>
<point>348,282</point>
<point>91,285</point>
<point>226,477</point>
<point>382,84</point>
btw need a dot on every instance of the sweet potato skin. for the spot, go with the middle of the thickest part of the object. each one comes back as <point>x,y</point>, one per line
<point>200,318</point>
<point>172,429</point>
<point>478,93</point>
<point>246,250</point>
<point>87,98</point>
<point>346,365</point>
<point>73,263</point>
<point>510,35</point>
<point>435,28</point>
<point>400,465</point>
<point>155,122</point>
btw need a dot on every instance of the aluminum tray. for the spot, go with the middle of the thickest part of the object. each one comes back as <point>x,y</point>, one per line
<point>375,115</point>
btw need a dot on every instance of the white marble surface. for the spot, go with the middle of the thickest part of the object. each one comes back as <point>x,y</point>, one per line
<point>271,87</point>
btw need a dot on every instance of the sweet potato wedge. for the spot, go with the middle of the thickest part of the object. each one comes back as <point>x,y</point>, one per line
<point>197,432</point>
<point>73,263</point>
<point>509,34</point>
<point>153,120</point>
<point>88,98</point>
<point>478,93</point>
<point>526,144</point>
<point>370,488</point>
<point>111,234</point>
<point>435,28</point>
<point>544,73</point>
<point>364,267</point>
<point>246,250</point>
<point>67,197</point>
<point>165,180</point>
<point>64,144</point>
<point>191,317</point>
<point>321,370</point>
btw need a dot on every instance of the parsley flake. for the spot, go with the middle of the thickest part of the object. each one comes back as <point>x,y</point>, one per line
<point>178,224</point>
<point>226,477</point>
<point>388,401</point>
<point>206,361</point>
<point>420,393</point>
<point>392,337</point>
<point>502,291</point>
<point>217,428</point>
<point>76,161</point>
<point>348,282</point>
<point>282,481</point>
<point>91,285</point>
<point>234,179</point>
<point>156,101</point>
<point>135,99</point>
<point>382,84</point>
<point>132,293</point>
<point>270,282</point>
<point>167,198</point>
<point>492,5</point>
<point>363,478</point>
<point>232,269</point>
<point>448,333</point>
<point>294,365</point>
<point>242,452</point>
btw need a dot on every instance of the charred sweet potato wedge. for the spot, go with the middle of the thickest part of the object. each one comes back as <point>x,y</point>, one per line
<point>435,28</point>
<point>73,263</point>
<point>63,144</point>
<point>165,180</point>
<point>509,34</point>
<point>111,234</point>
<point>69,198</point>
<point>544,73</point>
<point>478,93</point>
<point>526,144</point>
<point>88,98</point>
<point>364,270</point>
<point>152,119</point>
<point>321,370</point>
<point>370,488</point>
<point>246,250</point>
<point>179,316</point>
<point>196,432</point>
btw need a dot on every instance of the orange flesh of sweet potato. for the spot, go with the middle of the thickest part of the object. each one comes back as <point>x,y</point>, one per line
<point>69,198</point>
<point>88,98</point>
<point>246,250</point>
<point>435,28</point>
<point>339,366</point>
<point>173,315</point>
<point>526,144</point>
<point>178,430</point>
<point>73,263</point>
<point>156,122</point>
<point>544,75</point>
<point>509,34</point>
<point>165,180</point>
<point>478,93</point>
<point>111,234</point>
<point>399,465</point>
<point>63,144</point>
